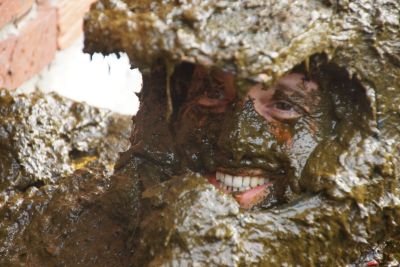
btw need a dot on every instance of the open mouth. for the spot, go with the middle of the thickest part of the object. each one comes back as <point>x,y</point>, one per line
<point>247,190</point>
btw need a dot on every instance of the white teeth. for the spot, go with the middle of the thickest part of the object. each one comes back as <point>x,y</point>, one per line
<point>219,176</point>
<point>228,180</point>
<point>246,181</point>
<point>261,181</point>
<point>239,183</point>
<point>253,182</point>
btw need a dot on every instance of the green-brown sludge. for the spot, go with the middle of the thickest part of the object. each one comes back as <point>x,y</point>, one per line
<point>344,209</point>
<point>349,195</point>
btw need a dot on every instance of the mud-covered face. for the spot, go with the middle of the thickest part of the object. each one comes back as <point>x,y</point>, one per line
<point>255,146</point>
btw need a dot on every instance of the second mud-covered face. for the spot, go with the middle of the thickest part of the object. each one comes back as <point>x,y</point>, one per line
<point>256,146</point>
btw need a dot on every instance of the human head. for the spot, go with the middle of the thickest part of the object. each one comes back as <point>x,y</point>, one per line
<point>256,145</point>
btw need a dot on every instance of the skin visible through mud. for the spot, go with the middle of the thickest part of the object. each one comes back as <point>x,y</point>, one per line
<point>206,124</point>
<point>260,142</point>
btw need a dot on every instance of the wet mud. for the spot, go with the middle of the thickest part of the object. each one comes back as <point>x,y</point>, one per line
<point>339,204</point>
<point>331,214</point>
<point>342,206</point>
<point>57,156</point>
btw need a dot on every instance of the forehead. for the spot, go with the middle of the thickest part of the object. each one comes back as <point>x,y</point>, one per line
<point>296,82</point>
<point>213,79</point>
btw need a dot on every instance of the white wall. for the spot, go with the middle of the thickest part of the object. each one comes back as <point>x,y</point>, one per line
<point>101,81</point>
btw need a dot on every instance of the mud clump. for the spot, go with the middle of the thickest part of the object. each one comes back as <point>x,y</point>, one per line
<point>56,159</point>
<point>45,137</point>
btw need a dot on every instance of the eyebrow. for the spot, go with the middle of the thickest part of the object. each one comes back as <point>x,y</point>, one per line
<point>297,89</point>
<point>283,89</point>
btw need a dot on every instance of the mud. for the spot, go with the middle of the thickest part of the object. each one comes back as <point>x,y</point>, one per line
<point>333,214</point>
<point>56,159</point>
<point>344,206</point>
<point>341,208</point>
<point>45,137</point>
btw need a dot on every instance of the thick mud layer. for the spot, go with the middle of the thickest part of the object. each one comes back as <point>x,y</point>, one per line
<point>329,213</point>
<point>45,137</point>
<point>56,201</point>
<point>340,205</point>
<point>343,203</point>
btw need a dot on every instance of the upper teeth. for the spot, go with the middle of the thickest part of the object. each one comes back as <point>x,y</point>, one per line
<point>239,183</point>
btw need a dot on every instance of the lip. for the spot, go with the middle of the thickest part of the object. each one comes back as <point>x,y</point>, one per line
<point>249,187</point>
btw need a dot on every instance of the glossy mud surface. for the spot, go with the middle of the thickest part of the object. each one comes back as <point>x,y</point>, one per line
<point>55,164</point>
<point>346,206</point>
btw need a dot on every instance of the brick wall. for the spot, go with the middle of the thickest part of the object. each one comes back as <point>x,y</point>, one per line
<point>31,32</point>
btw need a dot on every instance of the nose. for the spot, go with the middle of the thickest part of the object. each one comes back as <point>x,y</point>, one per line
<point>247,140</point>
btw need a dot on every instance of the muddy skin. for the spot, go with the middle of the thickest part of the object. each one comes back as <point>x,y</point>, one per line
<point>268,134</point>
<point>346,116</point>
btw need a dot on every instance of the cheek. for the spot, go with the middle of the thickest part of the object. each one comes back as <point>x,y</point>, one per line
<point>191,119</point>
<point>282,133</point>
<point>304,141</point>
<point>197,130</point>
<point>188,130</point>
<point>298,140</point>
<point>313,129</point>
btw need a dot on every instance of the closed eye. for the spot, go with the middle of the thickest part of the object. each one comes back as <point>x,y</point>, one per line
<point>209,102</point>
<point>213,105</point>
<point>217,92</point>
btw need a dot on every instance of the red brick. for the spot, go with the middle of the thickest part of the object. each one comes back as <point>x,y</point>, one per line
<point>67,38</point>
<point>47,3</point>
<point>26,54</point>
<point>70,20</point>
<point>10,10</point>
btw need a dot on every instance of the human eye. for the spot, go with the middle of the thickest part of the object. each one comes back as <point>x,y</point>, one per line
<point>211,99</point>
<point>283,110</point>
<point>216,94</point>
<point>213,104</point>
